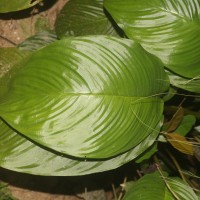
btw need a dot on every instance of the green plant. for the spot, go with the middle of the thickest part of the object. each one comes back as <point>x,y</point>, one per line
<point>5,194</point>
<point>91,97</point>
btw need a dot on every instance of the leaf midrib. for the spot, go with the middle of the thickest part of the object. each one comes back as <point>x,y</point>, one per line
<point>154,96</point>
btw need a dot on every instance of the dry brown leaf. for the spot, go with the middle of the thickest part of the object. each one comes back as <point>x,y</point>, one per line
<point>176,120</point>
<point>180,143</point>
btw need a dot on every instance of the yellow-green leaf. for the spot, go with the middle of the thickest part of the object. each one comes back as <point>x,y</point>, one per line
<point>180,143</point>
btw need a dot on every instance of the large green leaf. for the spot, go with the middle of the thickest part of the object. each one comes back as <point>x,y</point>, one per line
<point>87,97</point>
<point>152,186</point>
<point>14,5</point>
<point>170,29</point>
<point>83,17</point>
<point>20,154</point>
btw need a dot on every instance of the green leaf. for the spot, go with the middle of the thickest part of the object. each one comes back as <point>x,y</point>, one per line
<point>153,186</point>
<point>186,125</point>
<point>181,189</point>
<point>38,41</point>
<point>150,186</point>
<point>171,93</point>
<point>8,58</point>
<point>17,153</point>
<point>89,97</point>
<point>14,5</point>
<point>5,193</point>
<point>148,153</point>
<point>166,28</point>
<point>176,120</point>
<point>189,84</point>
<point>83,17</point>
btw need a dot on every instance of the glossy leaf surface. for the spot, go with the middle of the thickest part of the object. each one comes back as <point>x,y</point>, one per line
<point>168,29</point>
<point>20,154</point>
<point>14,5</point>
<point>83,17</point>
<point>86,97</point>
<point>153,186</point>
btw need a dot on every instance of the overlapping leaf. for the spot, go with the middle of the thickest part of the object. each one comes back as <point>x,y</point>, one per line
<point>154,186</point>
<point>9,57</point>
<point>20,154</point>
<point>186,125</point>
<point>83,17</point>
<point>38,41</point>
<point>86,97</point>
<point>14,5</point>
<point>189,84</point>
<point>177,139</point>
<point>167,28</point>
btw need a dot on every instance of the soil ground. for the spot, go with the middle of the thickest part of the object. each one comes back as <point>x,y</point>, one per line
<point>100,186</point>
<point>15,27</point>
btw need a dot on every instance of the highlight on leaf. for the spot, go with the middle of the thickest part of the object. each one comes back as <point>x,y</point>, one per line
<point>19,154</point>
<point>166,28</point>
<point>91,96</point>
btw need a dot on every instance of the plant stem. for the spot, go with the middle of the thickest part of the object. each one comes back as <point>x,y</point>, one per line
<point>177,165</point>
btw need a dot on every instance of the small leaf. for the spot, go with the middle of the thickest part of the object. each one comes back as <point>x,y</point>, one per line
<point>186,125</point>
<point>176,120</point>
<point>171,93</point>
<point>150,186</point>
<point>148,153</point>
<point>154,187</point>
<point>83,17</point>
<point>181,189</point>
<point>14,5</point>
<point>180,143</point>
